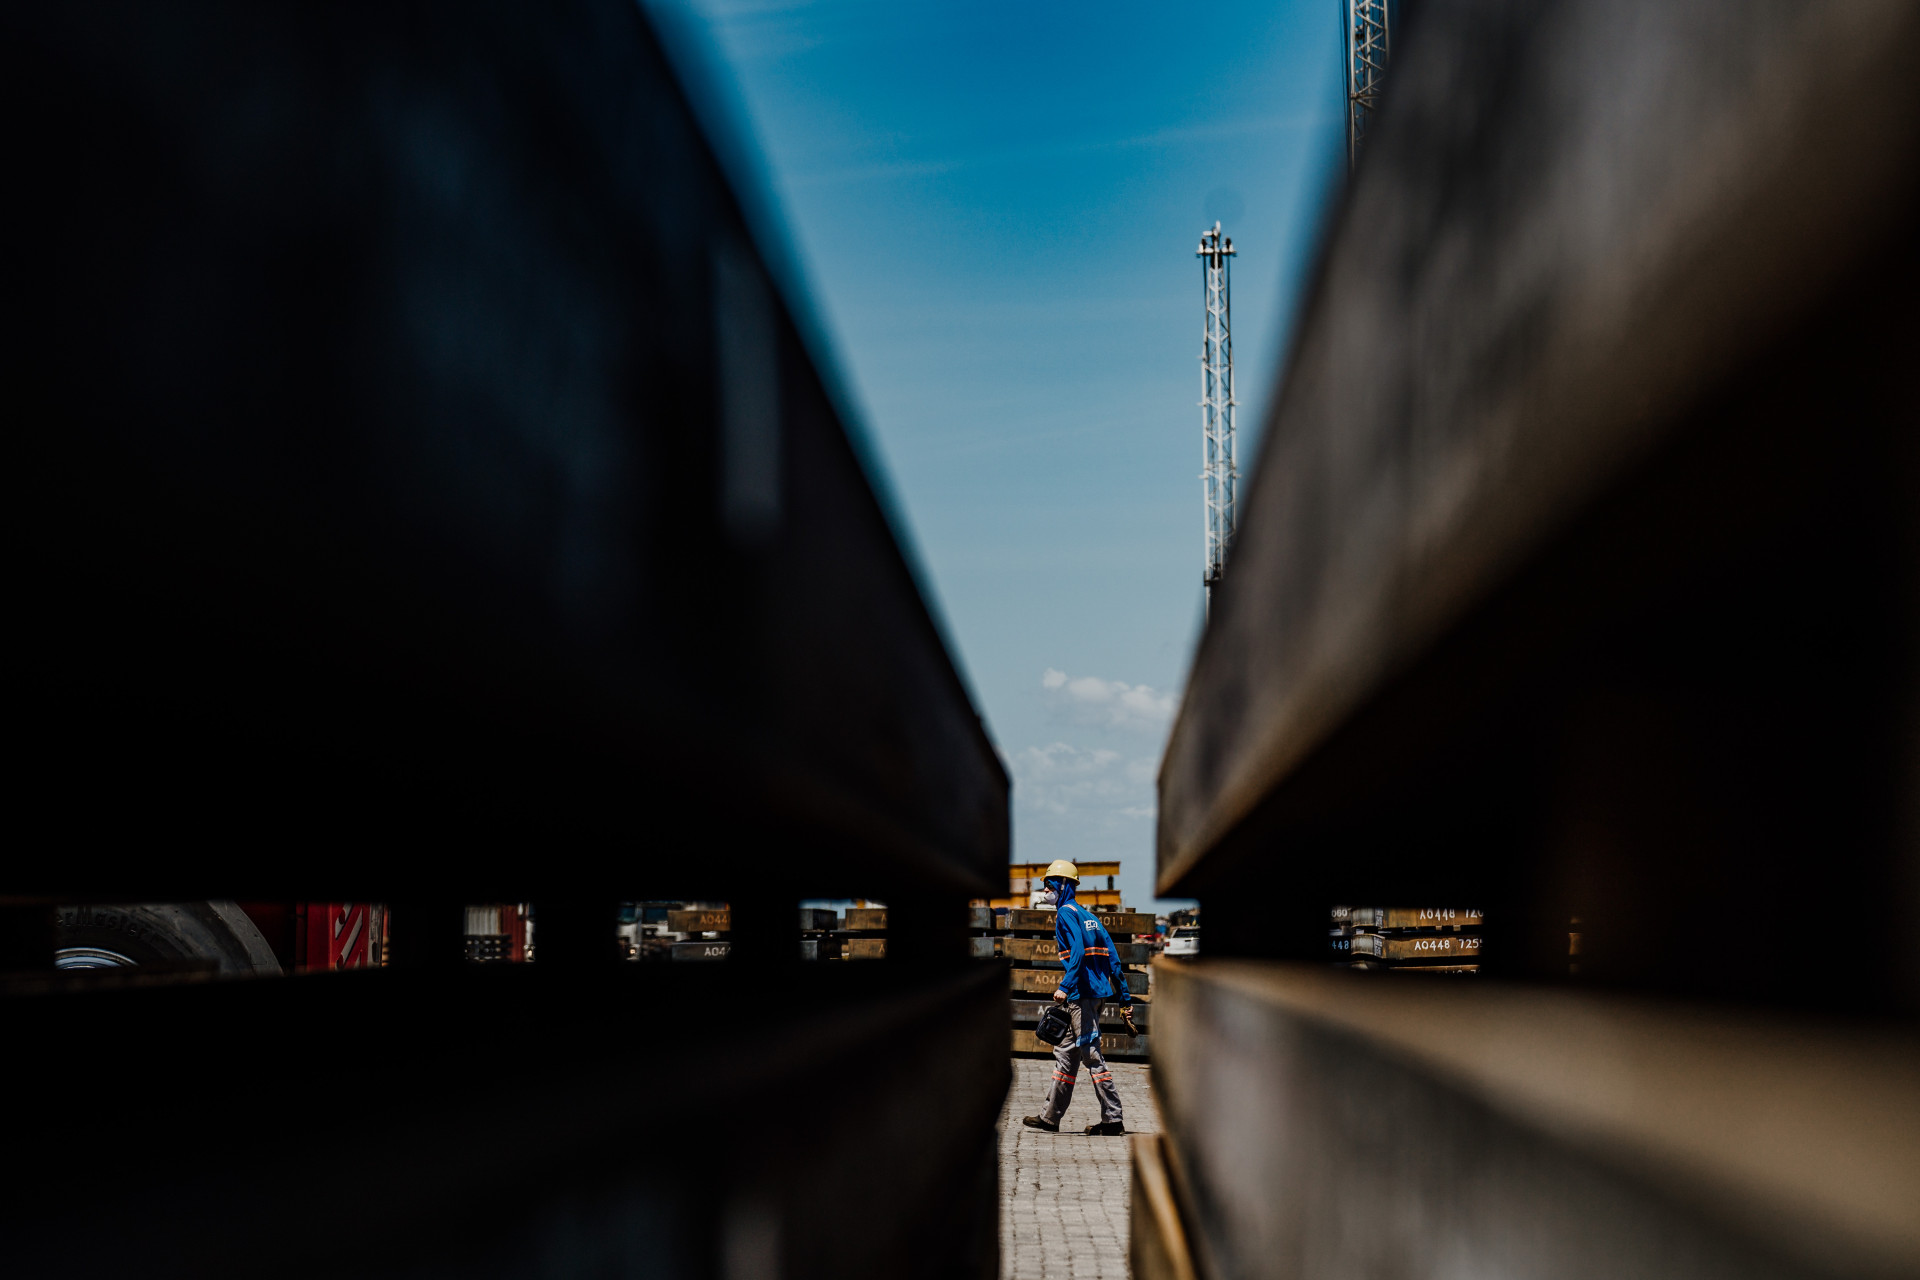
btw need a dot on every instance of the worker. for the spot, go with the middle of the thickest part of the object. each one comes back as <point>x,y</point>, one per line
<point>1090,977</point>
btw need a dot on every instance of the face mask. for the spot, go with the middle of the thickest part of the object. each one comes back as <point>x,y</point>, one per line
<point>1048,898</point>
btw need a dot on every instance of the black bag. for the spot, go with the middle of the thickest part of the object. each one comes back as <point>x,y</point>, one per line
<point>1056,1026</point>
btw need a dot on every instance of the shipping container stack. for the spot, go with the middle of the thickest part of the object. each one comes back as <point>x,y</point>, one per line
<point>1431,940</point>
<point>1023,935</point>
<point>496,932</point>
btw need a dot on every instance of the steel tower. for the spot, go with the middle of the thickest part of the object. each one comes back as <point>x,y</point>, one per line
<point>1219,473</point>
<point>1366,64</point>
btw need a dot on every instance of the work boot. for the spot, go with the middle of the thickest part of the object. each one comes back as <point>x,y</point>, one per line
<point>1106,1129</point>
<point>1035,1122</point>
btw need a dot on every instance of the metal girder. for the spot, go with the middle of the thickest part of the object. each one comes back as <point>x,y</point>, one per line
<point>424,492</point>
<point>1578,582</point>
<point>417,466</point>
<point>1320,1124</point>
<point>638,1120</point>
<point>1573,577</point>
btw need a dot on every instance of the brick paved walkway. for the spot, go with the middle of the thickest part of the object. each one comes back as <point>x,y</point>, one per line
<point>1063,1196</point>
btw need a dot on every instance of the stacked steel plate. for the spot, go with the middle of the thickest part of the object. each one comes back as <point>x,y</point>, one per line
<point>1026,939</point>
<point>1099,885</point>
<point>705,933</point>
<point>1433,940</point>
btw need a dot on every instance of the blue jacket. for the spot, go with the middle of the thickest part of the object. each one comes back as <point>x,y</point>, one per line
<point>1086,949</point>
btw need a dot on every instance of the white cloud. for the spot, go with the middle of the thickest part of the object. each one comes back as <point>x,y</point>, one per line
<point>1060,779</point>
<point>1091,702</point>
<point>1092,795</point>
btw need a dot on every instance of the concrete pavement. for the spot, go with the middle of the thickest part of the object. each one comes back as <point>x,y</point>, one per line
<point>1063,1196</point>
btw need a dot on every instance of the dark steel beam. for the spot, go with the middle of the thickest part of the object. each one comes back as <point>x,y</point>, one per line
<point>387,383</point>
<point>1577,573</point>
<point>510,1120</point>
<point>1321,1124</point>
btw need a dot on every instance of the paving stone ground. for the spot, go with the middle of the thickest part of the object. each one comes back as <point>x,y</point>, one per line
<point>1063,1196</point>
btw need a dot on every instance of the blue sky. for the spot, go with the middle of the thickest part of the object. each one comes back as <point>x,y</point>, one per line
<point>993,210</point>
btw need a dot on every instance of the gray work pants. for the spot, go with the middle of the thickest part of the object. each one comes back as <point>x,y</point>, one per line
<point>1066,1065</point>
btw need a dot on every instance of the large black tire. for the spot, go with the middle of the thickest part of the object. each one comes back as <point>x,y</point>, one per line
<point>212,936</point>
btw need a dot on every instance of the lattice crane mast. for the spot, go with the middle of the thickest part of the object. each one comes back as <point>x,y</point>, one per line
<point>1219,473</point>
<point>1367,42</point>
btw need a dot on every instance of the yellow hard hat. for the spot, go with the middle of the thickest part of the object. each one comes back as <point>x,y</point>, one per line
<point>1064,870</point>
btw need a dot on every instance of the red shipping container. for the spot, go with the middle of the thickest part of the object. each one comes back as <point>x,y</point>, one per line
<point>338,935</point>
